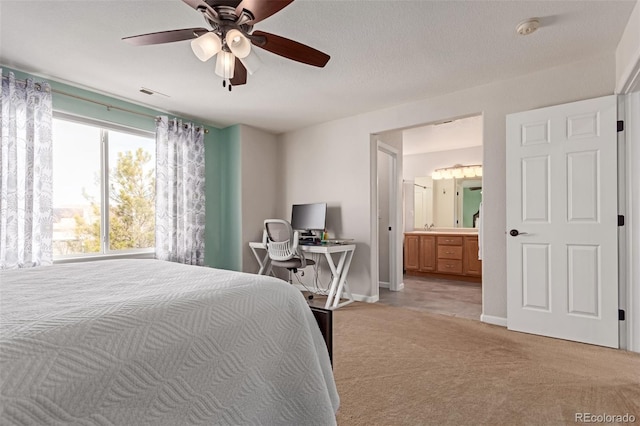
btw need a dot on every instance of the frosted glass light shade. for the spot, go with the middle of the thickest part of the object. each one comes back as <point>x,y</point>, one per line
<point>225,65</point>
<point>469,172</point>
<point>457,173</point>
<point>252,62</point>
<point>239,45</point>
<point>446,174</point>
<point>436,175</point>
<point>206,46</point>
<point>479,171</point>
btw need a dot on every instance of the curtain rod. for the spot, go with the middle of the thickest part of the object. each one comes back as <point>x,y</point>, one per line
<point>82,98</point>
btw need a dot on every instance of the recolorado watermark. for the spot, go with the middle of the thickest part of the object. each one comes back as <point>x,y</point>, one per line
<point>604,418</point>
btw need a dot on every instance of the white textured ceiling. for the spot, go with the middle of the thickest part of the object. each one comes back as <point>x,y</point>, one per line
<point>383,53</point>
<point>455,134</point>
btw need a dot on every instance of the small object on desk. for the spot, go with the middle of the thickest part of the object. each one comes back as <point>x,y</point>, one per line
<point>338,242</point>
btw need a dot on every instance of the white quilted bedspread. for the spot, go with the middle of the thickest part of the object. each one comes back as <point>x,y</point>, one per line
<point>147,342</point>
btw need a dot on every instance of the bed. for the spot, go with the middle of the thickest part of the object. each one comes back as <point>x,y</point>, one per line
<point>148,342</point>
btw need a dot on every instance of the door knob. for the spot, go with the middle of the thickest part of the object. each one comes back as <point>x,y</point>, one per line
<point>515,233</point>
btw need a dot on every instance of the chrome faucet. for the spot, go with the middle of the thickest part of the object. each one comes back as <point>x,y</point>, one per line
<point>428,227</point>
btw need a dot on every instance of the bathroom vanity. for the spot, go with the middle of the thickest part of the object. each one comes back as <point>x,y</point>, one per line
<point>443,254</point>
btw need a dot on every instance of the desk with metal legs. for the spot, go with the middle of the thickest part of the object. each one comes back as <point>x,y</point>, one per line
<point>339,286</point>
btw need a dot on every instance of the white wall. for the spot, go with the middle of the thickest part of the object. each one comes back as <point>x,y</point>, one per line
<point>628,54</point>
<point>260,193</point>
<point>341,149</point>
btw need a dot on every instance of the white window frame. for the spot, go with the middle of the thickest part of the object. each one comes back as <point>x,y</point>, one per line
<point>106,253</point>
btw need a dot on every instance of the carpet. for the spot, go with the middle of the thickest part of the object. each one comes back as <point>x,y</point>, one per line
<point>394,366</point>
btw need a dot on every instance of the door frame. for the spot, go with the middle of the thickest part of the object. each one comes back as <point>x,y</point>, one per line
<point>628,87</point>
<point>395,218</point>
<point>630,233</point>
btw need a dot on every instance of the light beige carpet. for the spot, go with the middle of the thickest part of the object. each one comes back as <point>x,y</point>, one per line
<point>399,367</point>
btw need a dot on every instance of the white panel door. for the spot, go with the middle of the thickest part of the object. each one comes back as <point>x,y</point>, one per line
<point>562,250</point>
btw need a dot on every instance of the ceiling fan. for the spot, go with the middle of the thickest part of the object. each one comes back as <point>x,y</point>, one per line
<point>231,37</point>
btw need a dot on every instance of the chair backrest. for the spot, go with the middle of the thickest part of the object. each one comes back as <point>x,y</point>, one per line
<point>281,240</point>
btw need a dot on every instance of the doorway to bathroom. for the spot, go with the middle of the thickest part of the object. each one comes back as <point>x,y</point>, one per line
<point>442,195</point>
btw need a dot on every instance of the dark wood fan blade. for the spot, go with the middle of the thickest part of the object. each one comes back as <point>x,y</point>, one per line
<point>165,36</point>
<point>289,49</point>
<point>262,9</point>
<point>239,74</point>
<point>201,5</point>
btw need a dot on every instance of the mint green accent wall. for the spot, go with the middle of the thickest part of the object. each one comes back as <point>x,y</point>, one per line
<point>222,165</point>
<point>470,205</point>
<point>224,230</point>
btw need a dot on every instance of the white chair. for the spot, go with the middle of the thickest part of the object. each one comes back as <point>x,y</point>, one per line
<point>282,246</point>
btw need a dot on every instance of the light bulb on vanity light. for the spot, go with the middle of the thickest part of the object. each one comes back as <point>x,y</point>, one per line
<point>206,46</point>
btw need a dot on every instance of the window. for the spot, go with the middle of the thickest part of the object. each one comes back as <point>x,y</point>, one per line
<point>103,188</point>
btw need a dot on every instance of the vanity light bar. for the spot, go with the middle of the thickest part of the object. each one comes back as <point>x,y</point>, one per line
<point>458,172</point>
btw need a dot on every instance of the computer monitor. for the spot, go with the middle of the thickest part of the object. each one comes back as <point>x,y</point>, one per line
<point>309,217</point>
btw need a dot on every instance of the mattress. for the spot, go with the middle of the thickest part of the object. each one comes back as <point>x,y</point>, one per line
<point>148,342</point>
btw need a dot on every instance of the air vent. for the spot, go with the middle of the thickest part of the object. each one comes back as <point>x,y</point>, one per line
<point>152,92</point>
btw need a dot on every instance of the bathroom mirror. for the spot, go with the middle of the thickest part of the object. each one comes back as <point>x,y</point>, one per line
<point>447,203</point>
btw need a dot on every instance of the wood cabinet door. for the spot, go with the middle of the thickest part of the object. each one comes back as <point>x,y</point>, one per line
<point>427,253</point>
<point>471,264</point>
<point>411,252</point>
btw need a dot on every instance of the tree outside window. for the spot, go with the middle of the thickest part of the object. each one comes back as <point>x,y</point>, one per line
<point>129,180</point>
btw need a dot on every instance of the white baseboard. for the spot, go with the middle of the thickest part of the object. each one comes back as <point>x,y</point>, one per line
<point>493,320</point>
<point>367,299</point>
<point>388,285</point>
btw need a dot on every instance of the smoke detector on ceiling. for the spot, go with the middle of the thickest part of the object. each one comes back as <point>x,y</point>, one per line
<point>528,26</point>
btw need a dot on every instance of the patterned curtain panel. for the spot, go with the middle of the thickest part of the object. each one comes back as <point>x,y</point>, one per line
<point>180,201</point>
<point>26,179</point>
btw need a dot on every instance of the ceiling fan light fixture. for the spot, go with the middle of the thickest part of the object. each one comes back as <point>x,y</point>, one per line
<point>238,43</point>
<point>225,65</point>
<point>206,46</point>
<point>252,62</point>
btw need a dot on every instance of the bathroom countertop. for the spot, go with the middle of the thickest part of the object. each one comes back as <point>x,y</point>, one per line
<point>458,231</point>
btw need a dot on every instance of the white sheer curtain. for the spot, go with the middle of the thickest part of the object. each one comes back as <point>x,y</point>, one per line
<point>26,179</point>
<point>180,195</point>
